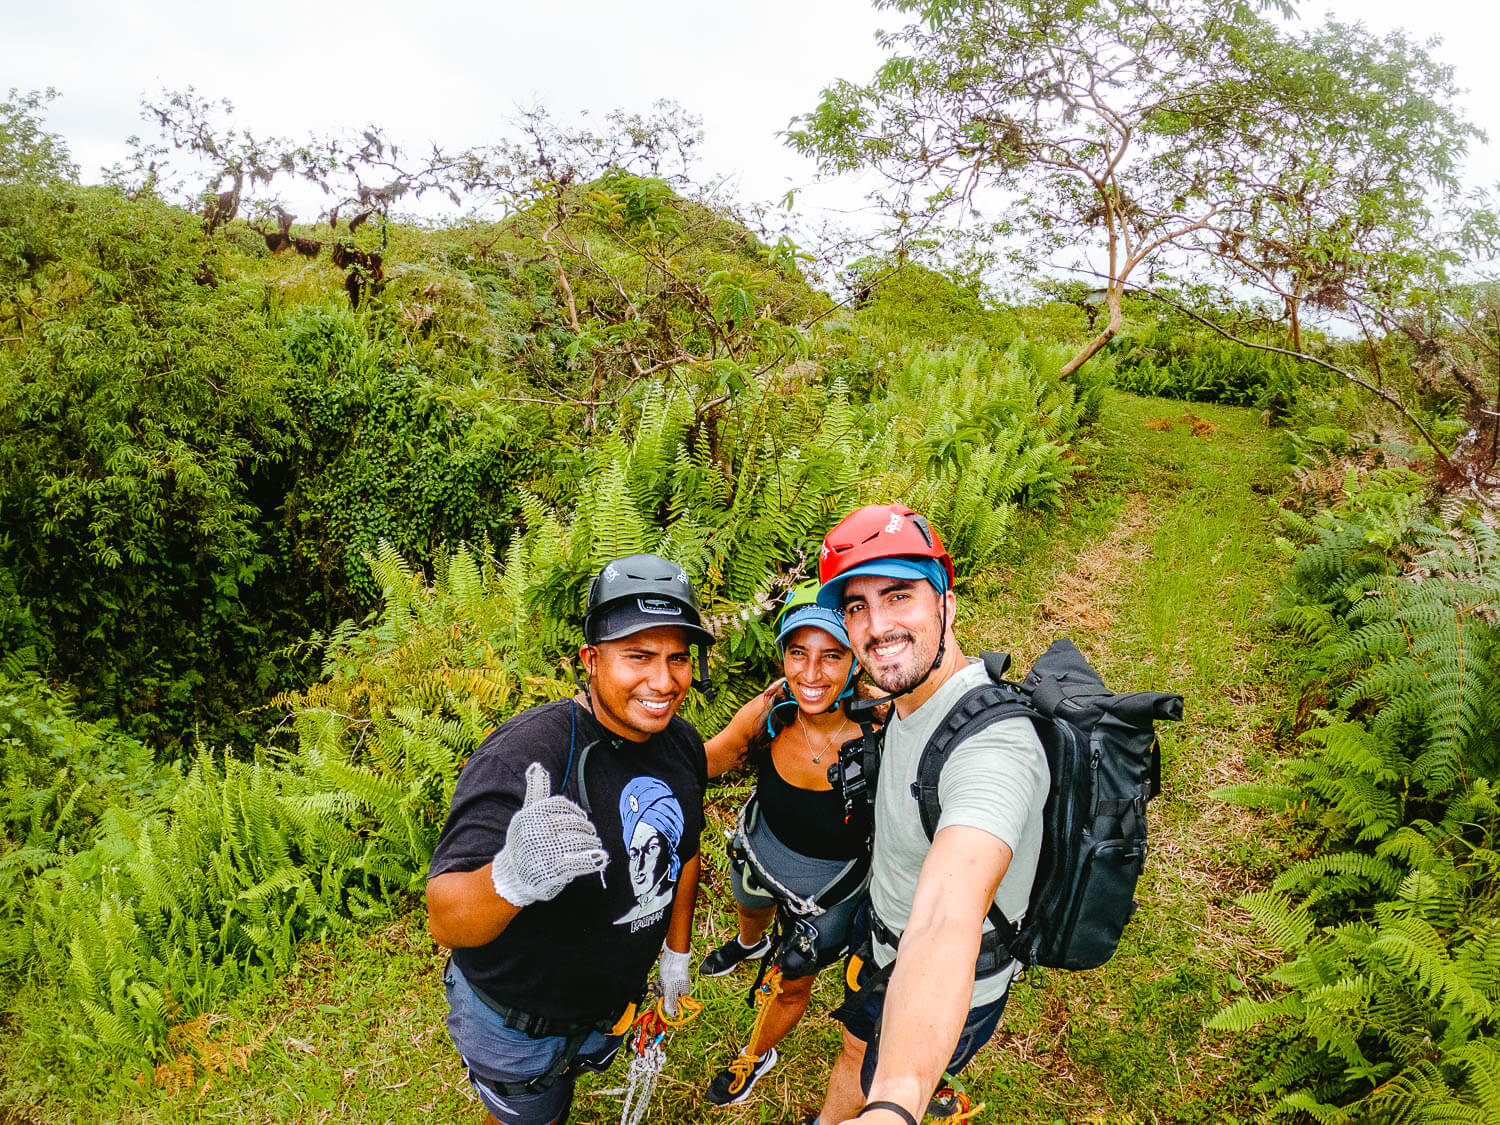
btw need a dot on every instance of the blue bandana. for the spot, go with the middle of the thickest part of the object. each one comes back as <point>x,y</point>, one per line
<point>650,799</point>
<point>910,567</point>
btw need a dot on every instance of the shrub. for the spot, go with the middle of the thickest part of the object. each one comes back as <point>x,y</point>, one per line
<point>1390,990</point>
<point>1172,360</point>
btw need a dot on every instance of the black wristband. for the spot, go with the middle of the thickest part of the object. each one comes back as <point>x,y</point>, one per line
<point>899,1110</point>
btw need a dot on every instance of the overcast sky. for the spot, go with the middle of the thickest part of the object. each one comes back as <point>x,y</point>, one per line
<point>453,71</point>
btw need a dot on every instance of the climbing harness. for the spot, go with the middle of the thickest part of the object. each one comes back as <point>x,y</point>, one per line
<point>739,848</point>
<point>648,1055</point>
<point>850,878</point>
<point>795,940</point>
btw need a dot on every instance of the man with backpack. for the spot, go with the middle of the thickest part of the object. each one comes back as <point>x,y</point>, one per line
<point>570,856</point>
<point>914,1012</point>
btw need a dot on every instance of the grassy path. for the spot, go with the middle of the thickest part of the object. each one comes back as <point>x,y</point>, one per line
<point>1163,593</point>
<point>1158,570</point>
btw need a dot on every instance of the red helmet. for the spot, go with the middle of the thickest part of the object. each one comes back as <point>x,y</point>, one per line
<point>878,531</point>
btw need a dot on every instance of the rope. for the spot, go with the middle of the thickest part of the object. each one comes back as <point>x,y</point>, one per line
<point>648,1056</point>
<point>688,1009</point>
<point>765,996</point>
<point>803,907</point>
<point>640,1083</point>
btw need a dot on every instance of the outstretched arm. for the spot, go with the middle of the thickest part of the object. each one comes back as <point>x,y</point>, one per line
<point>727,749</point>
<point>928,997</point>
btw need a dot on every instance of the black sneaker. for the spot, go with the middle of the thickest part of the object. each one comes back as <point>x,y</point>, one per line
<point>733,1084</point>
<point>730,954</point>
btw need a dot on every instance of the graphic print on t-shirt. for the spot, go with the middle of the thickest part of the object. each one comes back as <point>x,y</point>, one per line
<point>651,823</point>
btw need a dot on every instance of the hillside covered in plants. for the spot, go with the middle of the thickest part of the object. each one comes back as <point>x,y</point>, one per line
<point>294,508</point>
<point>226,445</point>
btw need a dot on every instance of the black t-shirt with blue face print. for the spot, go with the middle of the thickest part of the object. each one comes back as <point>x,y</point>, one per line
<point>585,954</point>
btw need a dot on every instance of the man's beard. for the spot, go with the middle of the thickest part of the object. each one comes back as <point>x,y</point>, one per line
<point>900,678</point>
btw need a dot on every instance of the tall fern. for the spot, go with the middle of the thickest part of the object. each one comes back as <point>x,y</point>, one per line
<point>1392,936</point>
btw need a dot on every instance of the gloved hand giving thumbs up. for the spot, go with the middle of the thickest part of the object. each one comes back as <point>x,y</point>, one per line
<point>550,843</point>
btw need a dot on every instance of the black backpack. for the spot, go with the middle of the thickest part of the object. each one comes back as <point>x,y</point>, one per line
<point>1105,765</point>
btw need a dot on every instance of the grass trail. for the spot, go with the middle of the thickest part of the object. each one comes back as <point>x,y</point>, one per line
<point>1163,592</point>
<point>1158,570</point>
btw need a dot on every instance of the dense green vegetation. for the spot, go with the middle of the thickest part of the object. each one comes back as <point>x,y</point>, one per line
<point>291,514</point>
<point>297,1038</point>
<point>1391,925</point>
<point>202,442</point>
<point>218,454</point>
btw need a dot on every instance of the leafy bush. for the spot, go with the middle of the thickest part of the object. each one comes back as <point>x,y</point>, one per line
<point>136,898</point>
<point>919,304</point>
<point>139,407</point>
<point>968,434</point>
<point>1391,988</point>
<point>396,450</point>
<point>59,778</point>
<point>1172,360</point>
<point>203,441</point>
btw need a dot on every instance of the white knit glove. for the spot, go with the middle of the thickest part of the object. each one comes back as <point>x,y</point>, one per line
<point>676,982</point>
<point>550,843</point>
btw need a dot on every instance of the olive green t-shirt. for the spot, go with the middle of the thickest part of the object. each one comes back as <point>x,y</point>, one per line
<point>995,780</point>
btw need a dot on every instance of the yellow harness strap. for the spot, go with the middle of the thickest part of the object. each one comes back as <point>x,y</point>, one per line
<point>622,1025</point>
<point>851,972</point>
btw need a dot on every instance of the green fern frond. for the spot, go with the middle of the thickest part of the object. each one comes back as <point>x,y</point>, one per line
<point>1288,926</point>
<point>1356,869</point>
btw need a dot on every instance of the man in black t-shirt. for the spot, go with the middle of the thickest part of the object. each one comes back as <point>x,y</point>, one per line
<point>571,853</point>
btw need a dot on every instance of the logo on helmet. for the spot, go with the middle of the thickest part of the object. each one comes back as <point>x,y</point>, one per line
<point>894,525</point>
<point>660,606</point>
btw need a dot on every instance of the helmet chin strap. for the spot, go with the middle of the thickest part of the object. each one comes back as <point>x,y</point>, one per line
<point>862,711</point>
<point>848,689</point>
<point>702,683</point>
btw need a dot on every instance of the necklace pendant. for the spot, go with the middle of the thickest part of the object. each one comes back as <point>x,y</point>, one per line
<point>817,759</point>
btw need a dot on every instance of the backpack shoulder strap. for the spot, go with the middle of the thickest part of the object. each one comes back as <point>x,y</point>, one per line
<point>976,709</point>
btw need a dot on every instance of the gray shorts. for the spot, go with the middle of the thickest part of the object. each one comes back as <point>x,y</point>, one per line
<point>802,875</point>
<point>492,1051</point>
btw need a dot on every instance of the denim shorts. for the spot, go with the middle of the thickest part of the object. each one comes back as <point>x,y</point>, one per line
<point>493,1052</point>
<point>862,1011</point>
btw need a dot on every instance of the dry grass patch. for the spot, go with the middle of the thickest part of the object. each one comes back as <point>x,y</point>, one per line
<point>1074,604</point>
<point>1201,427</point>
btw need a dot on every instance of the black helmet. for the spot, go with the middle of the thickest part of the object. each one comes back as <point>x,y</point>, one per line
<point>642,592</point>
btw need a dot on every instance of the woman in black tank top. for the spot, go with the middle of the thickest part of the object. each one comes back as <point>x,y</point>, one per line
<point>791,735</point>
